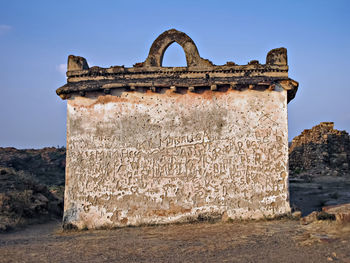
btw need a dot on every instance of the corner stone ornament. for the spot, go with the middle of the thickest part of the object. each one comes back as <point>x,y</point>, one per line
<point>155,145</point>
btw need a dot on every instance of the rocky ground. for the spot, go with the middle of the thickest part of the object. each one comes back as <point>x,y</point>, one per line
<point>309,194</point>
<point>24,201</point>
<point>31,186</point>
<point>45,165</point>
<point>263,241</point>
<point>319,164</point>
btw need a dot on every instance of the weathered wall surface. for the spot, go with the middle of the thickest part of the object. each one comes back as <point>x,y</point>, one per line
<point>137,157</point>
<point>150,144</point>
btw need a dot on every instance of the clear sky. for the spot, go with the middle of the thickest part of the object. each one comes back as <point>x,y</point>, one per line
<point>36,38</point>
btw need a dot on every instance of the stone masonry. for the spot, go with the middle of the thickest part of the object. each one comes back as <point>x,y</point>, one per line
<point>321,150</point>
<point>154,145</point>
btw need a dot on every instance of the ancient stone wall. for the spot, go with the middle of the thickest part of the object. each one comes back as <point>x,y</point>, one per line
<point>320,150</point>
<point>150,145</point>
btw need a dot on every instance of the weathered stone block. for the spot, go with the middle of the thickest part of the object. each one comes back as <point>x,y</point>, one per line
<point>341,212</point>
<point>180,145</point>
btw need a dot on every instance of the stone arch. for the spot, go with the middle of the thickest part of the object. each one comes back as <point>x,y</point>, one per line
<point>163,41</point>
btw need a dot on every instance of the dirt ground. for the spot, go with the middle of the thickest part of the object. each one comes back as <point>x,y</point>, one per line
<point>310,194</point>
<point>264,241</point>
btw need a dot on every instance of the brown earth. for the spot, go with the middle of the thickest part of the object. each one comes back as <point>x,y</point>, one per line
<point>265,241</point>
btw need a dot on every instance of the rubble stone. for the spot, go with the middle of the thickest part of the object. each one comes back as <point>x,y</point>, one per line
<point>24,201</point>
<point>321,150</point>
<point>296,214</point>
<point>309,218</point>
<point>341,212</point>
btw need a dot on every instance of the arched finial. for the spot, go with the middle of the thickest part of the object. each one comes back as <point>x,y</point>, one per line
<point>163,41</point>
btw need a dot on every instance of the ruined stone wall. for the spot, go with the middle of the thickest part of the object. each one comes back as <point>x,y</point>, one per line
<point>137,157</point>
<point>320,150</point>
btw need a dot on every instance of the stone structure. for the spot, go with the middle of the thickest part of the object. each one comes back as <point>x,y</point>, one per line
<point>320,150</point>
<point>152,144</point>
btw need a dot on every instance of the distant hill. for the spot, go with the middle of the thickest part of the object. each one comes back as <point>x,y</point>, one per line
<point>31,186</point>
<point>46,165</point>
<point>24,201</point>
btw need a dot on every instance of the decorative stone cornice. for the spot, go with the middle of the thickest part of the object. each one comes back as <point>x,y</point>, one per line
<point>199,74</point>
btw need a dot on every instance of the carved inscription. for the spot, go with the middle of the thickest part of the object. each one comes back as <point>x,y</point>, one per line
<point>228,161</point>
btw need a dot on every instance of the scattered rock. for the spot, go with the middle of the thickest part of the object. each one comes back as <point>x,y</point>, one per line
<point>340,212</point>
<point>321,150</point>
<point>41,198</point>
<point>46,165</point>
<point>319,174</point>
<point>309,218</point>
<point>317,216</point>
<point>296,214</point>
<point>325,216</point>
<point>24,201</point>
<point>31,185</point>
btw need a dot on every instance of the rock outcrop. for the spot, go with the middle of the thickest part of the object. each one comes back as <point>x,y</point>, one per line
<point>31,185</point>
<point>46,165</point>
<point>321,150</point>
<point>24,201</point>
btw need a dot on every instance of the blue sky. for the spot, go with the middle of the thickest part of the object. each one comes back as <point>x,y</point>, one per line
<point>36,38</point>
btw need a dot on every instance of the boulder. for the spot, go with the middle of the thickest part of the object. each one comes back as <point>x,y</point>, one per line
<point>341,212</point>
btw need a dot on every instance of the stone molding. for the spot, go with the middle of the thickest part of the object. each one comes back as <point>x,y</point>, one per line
<point>199,74</point>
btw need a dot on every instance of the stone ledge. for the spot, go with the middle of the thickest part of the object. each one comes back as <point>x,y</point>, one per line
<point>200,73</point>
<point>194,85</point>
